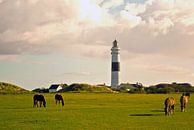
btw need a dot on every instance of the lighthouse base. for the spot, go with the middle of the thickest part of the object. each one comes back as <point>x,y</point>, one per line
<point>115,80</point>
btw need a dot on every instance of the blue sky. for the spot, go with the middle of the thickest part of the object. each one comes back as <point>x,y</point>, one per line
<point>69,41</point>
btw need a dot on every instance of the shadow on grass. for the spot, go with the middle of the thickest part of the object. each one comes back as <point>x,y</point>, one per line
<point>17,108</point>
<point>141,115</point>
<point>146,114</point>
<point>157,112</point>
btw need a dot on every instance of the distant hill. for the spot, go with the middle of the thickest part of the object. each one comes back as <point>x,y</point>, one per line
<point>10,88</point>
<point>86,88</point>
<point>170,88</point>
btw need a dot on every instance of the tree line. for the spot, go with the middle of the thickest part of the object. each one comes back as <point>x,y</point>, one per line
<point>125,88</point>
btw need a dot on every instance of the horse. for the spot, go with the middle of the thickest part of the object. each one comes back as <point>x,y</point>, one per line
<point>186,94</point>
<point>184,101</point>
<point>39,98</point>
<point>169,105</point>
<point>59,98</point>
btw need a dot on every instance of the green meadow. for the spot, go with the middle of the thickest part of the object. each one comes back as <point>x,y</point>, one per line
<point>90,111</point>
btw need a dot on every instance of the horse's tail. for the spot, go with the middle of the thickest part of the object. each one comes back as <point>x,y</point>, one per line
<point>166,106</point>
<point>182,104</point>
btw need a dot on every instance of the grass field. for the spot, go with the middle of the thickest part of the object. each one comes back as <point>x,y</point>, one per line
<point>89,111</point>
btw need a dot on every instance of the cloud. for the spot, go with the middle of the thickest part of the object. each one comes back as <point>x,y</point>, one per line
<point>135,8</point>
<point>77,74</point>
<point>46,26</point>
<point>111,3</point>
<point>94,51</point>
<point>152,69</point>
<point>168,69</point>
<point>12,58</point>
<point>155,36</point>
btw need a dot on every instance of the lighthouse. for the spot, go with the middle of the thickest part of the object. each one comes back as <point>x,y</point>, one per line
<point>115,67</point>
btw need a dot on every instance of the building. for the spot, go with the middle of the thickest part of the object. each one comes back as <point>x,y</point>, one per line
<point>115,67</point>
<point>138,87</point>
<point>54,88</point>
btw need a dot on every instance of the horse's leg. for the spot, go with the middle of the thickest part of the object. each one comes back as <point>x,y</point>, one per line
<point>185,106</point>
<point>34,103</point>
<point>172,109</point>
<point>169,110</point>
<point>181,107</point>
<point>165,110</point>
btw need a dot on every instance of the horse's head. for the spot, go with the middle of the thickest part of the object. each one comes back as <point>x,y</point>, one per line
<point>44,103</point>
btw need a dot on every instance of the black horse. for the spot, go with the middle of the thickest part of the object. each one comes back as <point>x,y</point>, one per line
<point>39,98</point>
<point>59,98</point>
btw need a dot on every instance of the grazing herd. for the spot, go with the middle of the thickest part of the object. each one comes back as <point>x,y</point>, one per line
<point>39,99</point>
<point>169,102</point>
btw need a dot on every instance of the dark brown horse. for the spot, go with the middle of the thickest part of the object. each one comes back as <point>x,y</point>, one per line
<point>39,99</point>
<point>184,101</point>
<point>58,99</point>
<point>169,105</point>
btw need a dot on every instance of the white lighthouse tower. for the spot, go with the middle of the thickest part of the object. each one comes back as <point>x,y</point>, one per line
<point>115,68</point>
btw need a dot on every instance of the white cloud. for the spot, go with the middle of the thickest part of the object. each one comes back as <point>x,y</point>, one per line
<point>135,8</point>
<point>112,3</point>
<point>167,69</point>
<point>156,26</point>
<point>76,74</point>
<point>12,58</point>
<point>128,20</point>
<point>155,37</point>
<point>91,13</point>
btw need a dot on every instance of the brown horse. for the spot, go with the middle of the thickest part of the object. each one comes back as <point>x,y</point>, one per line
<point>169,105</point>
<point>39,98</point>
<point>184,101</point>
<point>59,98</point>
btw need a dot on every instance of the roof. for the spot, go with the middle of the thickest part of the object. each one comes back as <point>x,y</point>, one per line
<point>54,86</point>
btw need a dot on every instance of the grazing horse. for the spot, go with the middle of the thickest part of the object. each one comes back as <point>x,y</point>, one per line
<point>59,98</point>
<point>184,101</point>
<point>169,105</point>
<point>39,98</point>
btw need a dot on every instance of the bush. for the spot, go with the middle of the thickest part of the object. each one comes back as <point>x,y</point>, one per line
<point>41,90</point>
<point>85,88</point>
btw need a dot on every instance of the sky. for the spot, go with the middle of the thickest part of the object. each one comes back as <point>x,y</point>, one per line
<point>68,41</point>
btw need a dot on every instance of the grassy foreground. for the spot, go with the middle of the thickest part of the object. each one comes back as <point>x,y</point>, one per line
<point>91,111</point>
